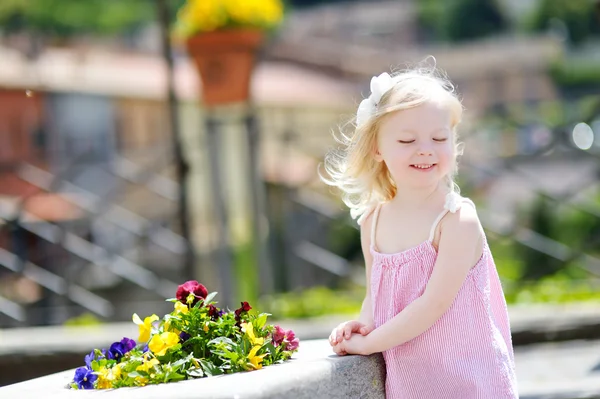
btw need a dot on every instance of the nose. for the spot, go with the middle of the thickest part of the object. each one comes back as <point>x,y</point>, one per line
<point>425,150</point>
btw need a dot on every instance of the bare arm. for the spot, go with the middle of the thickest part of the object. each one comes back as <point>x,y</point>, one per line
<point>366,312</point>
<point>364,325</point>
<point>457,254</point>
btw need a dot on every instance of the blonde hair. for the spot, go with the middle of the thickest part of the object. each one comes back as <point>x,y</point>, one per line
<point>364,182</point>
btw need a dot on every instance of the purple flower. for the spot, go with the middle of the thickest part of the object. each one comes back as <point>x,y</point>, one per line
<point>89,359</point>
<point>84,378</point>
<point>145,348</point>
<point>278,335</point>
<point>128,344</point>
<point>183,336</point>
<point>116,351</point>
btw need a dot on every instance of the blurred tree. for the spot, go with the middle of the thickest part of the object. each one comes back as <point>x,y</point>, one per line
<point>541,220</point>
<point>65,18</point>
<point>472,19</point>
<point>308,3</point>
<point>579,18</point>
<point>460,20</point>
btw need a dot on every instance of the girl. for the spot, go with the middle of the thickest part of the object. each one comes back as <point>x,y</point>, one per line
<point>434,304</point>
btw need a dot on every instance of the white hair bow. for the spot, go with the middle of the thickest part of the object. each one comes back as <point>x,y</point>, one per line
<point>379,86</point>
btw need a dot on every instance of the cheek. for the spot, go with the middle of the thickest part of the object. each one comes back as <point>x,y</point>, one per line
<point>397,157</point>
<point>446,157</point>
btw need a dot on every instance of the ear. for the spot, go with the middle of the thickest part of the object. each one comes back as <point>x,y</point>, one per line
<point>377,155</point>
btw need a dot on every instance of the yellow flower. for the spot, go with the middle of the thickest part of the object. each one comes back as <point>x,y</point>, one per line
<point>106,377</point>
<point>141,381</point>
<point>209,15</point>
<point>145,326</point>
<point>248,328</point>
<point>181,308</point>
<point>256,360</point>
<point>178,308</point>
<point>147,364</point>
<point>160,343</point>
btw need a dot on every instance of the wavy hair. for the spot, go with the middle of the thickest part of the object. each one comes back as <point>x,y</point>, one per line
<point>351,167</point>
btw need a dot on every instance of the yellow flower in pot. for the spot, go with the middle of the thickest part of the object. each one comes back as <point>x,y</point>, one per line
<point>222,37</point>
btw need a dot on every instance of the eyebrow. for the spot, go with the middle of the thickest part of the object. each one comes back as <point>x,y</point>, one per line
<point>446,129</point>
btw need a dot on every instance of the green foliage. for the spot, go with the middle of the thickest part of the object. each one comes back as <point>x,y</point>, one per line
<point>542,221</point>
<point>460,20</point>
<point>472,19</point>
<point>559,288</point>
<point>313,302</point>
<point>574,74</point>
<point>64,18</point>
<point>580,18</point>
<point>86,319</point>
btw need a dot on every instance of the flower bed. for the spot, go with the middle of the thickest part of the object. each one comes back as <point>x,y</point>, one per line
<point>195,340</point>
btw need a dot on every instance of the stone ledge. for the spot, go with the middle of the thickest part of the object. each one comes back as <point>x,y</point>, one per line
<point>568,370</point>
<point>314,372</point>
<point>27,353</point>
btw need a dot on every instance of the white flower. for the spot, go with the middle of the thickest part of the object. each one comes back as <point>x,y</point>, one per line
<point>379,86</point>
<point>453,201</point>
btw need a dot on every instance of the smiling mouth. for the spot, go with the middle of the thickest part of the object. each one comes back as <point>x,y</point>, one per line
<point>423,166</point>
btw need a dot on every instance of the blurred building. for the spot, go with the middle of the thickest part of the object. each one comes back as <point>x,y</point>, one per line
<point>360,39</point>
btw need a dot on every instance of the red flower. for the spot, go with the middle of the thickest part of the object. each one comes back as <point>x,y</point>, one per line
<point>214,312</point>
<point>244,308</point>
<point>191,287</point>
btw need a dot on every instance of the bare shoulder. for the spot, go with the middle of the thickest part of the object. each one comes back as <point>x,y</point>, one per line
<point>462,225</point>
<point>365,228</point>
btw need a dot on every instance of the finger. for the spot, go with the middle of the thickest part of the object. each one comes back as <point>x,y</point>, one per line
<point>351,327</point>
<point>334,335</point>
<point>348,331</point>
<point>339,334</point>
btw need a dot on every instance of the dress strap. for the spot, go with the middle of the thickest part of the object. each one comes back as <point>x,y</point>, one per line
<point>437,221</point>
<point>374,225</point>
<point>452,204</point>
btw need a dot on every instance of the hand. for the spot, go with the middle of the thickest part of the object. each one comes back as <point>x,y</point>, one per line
<point>346,329</point>
<point>356,345</point>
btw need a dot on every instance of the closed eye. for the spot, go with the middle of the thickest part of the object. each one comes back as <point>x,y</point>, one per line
<point>406,141</point>
<point>440,140</point>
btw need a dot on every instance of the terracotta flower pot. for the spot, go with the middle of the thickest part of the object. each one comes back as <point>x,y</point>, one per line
<point>225,61</point>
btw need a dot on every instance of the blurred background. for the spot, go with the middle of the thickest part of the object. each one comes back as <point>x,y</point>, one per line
<point>118,181</point>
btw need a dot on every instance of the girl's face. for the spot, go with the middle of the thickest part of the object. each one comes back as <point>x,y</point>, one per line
<point>417,145</point>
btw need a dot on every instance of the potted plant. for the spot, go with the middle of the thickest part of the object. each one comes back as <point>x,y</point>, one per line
<point>222,37</point>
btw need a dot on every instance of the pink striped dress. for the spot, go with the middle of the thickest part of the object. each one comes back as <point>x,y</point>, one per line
<point>467,353</point>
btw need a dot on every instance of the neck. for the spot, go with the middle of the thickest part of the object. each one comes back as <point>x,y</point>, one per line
<point>415,197</point>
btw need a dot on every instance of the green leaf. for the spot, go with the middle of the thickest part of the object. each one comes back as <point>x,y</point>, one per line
<point>221,340</point>
<point>209,368</point>
<point>183,361</point>
<point>135,374</point>
<point>262,320</point>
<point>195,372</point>
<point>172,300</point>
<point>210,297</point>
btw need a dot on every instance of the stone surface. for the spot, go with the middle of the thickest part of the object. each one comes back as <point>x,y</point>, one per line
<point>33,352</point>
<point>315,372</point>
<point>567,370</point>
